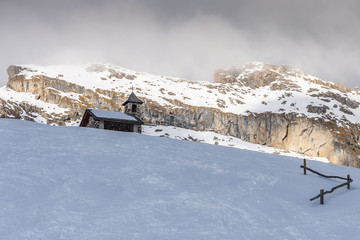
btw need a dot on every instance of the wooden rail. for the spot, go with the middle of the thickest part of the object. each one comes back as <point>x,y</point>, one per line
<point>322,192</point>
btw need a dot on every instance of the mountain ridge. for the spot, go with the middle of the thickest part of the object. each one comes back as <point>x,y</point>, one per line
<point>277,106</point>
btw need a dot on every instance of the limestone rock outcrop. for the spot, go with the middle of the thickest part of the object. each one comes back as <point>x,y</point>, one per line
<point>277,106</point>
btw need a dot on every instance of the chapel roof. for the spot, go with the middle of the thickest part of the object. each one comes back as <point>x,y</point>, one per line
<point>107,115</point>
<point>133,99</point>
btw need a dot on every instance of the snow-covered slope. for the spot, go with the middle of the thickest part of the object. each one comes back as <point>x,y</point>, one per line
<point>13,97</point>
<point>81,183</point>
<point>218,139</point>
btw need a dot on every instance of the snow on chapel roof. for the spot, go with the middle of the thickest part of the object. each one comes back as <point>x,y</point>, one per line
<point>112,115</point>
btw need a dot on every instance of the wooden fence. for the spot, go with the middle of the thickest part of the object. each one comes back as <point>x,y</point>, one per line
<point>322,192</point>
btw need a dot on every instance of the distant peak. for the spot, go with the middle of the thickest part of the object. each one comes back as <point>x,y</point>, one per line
<point>258,74</point>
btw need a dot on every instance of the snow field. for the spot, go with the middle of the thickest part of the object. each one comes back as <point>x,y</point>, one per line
<point>82,183</point>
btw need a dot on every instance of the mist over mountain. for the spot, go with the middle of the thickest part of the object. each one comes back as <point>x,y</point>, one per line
<point>187,39</point>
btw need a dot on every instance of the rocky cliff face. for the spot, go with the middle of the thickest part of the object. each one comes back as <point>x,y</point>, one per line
<point>276,106</point>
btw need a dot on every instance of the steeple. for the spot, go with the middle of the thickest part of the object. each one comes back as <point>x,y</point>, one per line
<point>132,105</point>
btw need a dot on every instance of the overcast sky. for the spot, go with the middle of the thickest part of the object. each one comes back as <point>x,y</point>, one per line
<point>187,38</point>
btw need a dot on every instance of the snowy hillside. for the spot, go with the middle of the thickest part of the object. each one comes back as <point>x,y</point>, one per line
<point>29,99</point>
<point>218,139</point>
<point>82,183</point>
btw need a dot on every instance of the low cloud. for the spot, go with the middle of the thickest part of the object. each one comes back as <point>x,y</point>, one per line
<point>189,40</point>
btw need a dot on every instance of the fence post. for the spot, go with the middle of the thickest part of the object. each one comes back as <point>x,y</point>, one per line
<point>321,196</point>
<point>304,166</point>
<point>348,181</point>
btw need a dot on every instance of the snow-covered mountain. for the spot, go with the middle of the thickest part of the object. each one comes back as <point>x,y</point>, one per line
<point>256,87</point>
<point>277,106</point>
<point>83,183</point>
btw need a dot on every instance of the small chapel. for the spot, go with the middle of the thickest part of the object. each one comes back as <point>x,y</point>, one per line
<point>127,121</point>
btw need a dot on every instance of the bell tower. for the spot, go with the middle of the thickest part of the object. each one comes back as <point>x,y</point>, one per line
<point>132,105</point>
